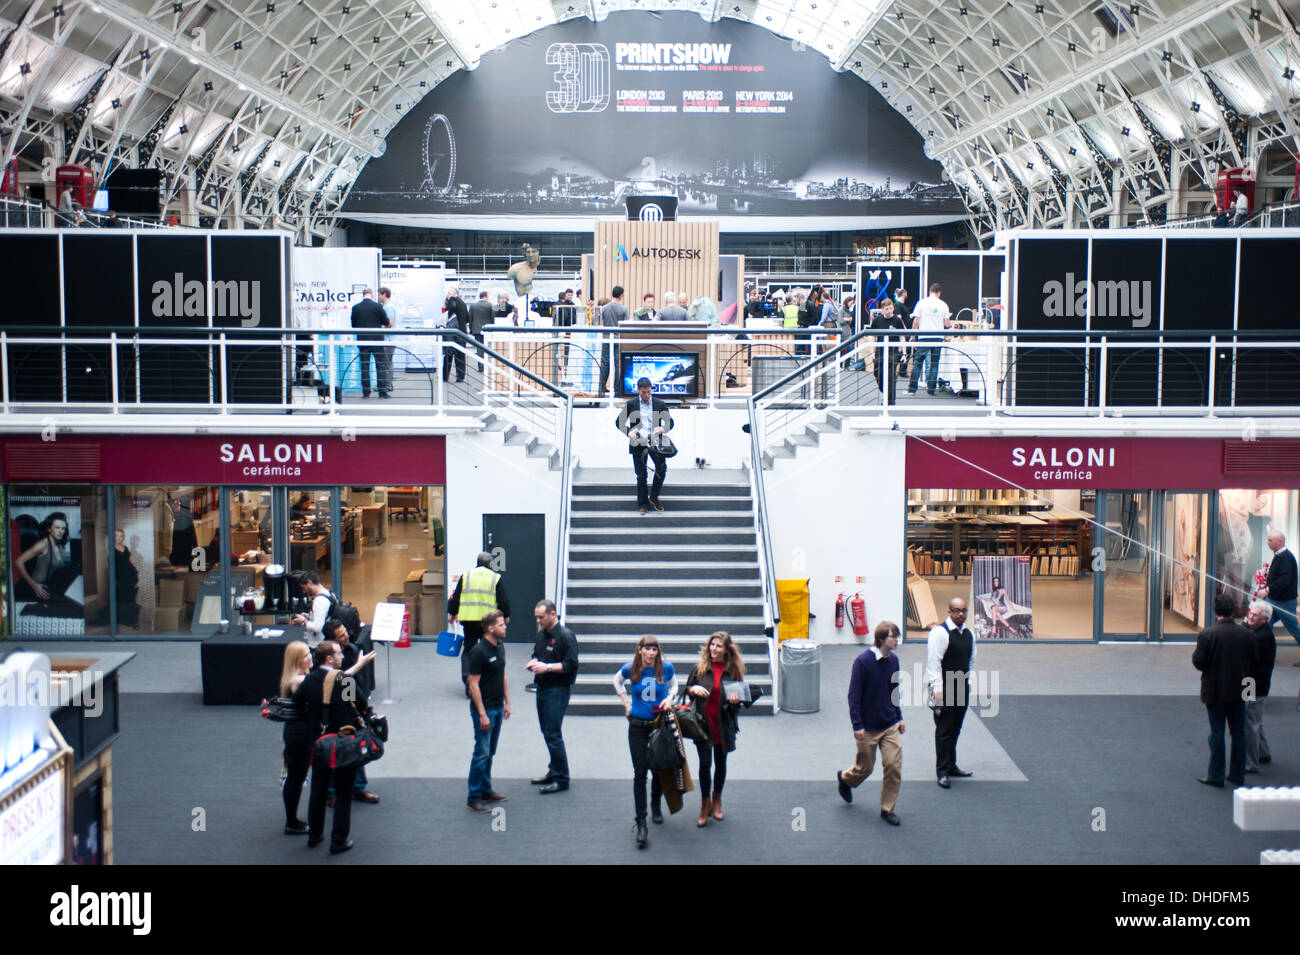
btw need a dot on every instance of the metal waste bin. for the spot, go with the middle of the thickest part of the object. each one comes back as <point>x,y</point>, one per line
<point>801,674</point>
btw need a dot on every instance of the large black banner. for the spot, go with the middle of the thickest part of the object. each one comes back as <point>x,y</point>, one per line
<point>726,116</point>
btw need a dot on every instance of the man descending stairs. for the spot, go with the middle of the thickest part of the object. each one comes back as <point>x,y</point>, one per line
<point>679,575</point>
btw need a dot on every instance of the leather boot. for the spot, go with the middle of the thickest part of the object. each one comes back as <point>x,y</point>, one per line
<point>705,805</point>
<point>717,807</point>
<point>642,834</point>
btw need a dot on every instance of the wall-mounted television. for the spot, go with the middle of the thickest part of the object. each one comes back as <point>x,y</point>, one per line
<point>671,374</point>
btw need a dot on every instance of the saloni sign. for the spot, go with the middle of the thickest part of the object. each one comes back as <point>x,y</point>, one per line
<point>241,459</point>
<point>1115,463</point>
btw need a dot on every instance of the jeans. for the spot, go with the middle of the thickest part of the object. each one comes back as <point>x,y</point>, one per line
<point>485,747</point>
<point>1234,715</point>
<point>1256,744</point>
<point>712,756</point>
<point>643,498</point>
<point>552,701</point>
<point>638,738</point>
<point>383,368</point>
<point>1285,610</point>
<point>923,353</point>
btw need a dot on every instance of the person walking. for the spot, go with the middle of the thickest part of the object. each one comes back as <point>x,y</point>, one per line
<point>877,720</point>
<point>489,696</point>
<point>1225,655</point>
<point>720,663</point>
<point>554,667</point>
<point>299,736</point>
<point>646,421</point>
<point>646,685</point>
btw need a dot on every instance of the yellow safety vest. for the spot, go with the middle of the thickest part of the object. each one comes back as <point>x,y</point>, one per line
<point>478,593</point>
<point>791,315</point>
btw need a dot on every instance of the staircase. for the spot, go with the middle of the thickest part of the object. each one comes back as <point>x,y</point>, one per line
<point>515,436</point>
<point>679,575</point>
<point>805,434</point>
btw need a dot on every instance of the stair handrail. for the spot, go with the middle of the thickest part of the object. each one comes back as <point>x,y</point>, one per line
<point>566,507</point>
<point>766,569</point>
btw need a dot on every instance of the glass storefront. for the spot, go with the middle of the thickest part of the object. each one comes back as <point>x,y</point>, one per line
<point>1078,565</point>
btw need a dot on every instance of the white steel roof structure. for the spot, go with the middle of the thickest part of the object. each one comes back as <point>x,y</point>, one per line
<point>1043,113</point>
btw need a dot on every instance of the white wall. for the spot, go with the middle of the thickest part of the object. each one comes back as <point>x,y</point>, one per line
<point>710,433</point>
<point>840,509</point>
<point>484,476</point>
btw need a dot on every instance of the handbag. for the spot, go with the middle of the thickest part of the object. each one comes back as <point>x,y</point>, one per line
<point>662,751</point>
<point>282,709</point>
<point>351,745</point>
<point>379,726</point>
<point>693,723</point>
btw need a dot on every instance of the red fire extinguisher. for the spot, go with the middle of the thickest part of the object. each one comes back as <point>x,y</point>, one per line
<point>858,614</point>
<point>839,612</point>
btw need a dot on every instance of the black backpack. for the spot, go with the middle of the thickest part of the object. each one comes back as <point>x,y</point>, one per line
<point>347,615</point>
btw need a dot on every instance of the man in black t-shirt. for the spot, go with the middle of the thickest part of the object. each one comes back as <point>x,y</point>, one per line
<point>489,696</point>
<point>555,666</point>
<point>883,319</point>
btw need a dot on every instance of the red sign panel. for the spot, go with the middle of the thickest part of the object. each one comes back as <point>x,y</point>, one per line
<point>239,460</point>
<point>1114,463</point>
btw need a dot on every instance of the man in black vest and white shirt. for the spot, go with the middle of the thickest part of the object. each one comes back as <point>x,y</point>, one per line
<point>949,662</point>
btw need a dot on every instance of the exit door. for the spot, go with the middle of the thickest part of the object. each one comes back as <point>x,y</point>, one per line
<point>517,543</point>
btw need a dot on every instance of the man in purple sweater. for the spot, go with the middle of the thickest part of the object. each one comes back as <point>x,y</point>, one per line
<point>877,720</point>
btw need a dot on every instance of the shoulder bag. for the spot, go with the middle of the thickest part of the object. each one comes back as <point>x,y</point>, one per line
<point>351,745</point>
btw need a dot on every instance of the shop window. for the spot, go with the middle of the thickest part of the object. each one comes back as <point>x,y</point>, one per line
<point>1246,518</point>
<point>1020,560</point>
<point>58,548</point>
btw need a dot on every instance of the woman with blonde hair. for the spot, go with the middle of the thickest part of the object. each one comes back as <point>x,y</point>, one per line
<point>653,687</point>
<point>720,663</point>
<point>299,736</point>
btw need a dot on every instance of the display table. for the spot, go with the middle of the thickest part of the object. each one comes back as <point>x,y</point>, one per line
<point>980,362</point>
<point>308,553</point>
<point>242,668</point>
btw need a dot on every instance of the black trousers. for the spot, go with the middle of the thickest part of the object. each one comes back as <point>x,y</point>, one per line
<point>449,356</point>
<point>947,727</point>
<point>712,755</point>
<point>297,760</point>
<point>891,374</point>
<point>644,497</point>
<point>473,634</point>
<point>638,738</point>
<point>321,777</point>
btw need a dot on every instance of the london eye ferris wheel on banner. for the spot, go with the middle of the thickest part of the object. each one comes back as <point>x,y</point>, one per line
<point>439,155</point>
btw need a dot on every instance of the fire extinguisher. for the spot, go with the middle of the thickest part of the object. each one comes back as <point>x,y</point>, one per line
<point>839,612</point>
<point>858,614</point>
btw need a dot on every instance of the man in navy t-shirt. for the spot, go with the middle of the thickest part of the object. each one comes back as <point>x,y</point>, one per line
<point>877,720</point>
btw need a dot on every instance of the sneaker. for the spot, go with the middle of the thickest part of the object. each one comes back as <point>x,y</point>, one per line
<point>845,792</point>
<point>889,817</point>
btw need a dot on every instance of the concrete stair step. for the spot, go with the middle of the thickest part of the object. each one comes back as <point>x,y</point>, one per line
<point>591,571</point>
<point>620,504</point>
<point>607,664</point>
<point>600,684</point>
<point>652,589</point>
<point>671,491</point>
<point>644,534</point>
<point>703,520</point>
<point>703,554</point>
<point>623,645</point>
<point>695,627</point>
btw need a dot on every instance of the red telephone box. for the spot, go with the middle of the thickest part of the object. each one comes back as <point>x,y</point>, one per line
<point>9,185</point>
<point>1230,181</point>
<point>80,180</point>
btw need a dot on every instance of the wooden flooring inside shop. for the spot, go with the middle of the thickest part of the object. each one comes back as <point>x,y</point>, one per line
<point>382,569</point>
<point>1063,608</point>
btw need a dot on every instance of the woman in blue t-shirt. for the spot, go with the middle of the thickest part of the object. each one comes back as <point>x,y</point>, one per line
<point>645,686</point>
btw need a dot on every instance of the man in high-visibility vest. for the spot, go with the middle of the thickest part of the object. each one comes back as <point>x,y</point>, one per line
<point>477,592</point>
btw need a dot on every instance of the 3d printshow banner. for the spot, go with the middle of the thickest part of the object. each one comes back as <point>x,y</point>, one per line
<point>726,116</point>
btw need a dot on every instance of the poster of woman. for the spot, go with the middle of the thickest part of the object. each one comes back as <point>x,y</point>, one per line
<point>45,545</point>
<point>1000,598</point>
<point>1186,570</point>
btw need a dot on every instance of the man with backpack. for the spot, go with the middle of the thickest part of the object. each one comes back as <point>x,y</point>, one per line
<point>321,601</point>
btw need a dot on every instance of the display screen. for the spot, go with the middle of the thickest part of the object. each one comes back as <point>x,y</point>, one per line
<point>671,374</point>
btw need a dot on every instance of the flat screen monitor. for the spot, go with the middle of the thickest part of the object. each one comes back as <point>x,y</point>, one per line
<point>671,374</point>
<point>101,201</point>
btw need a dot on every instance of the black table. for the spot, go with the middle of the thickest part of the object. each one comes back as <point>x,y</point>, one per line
<point>243,668</point>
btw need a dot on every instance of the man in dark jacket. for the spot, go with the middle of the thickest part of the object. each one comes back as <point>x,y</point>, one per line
<point>344,694</point>
<point>646,421</point>
<point>1280,587</point>
<point>458,319</point>
<point>555,666</point>
<point>368,313</point>
<point>1261,628</point>
<point>877,720</point>
<point>1225,655</point>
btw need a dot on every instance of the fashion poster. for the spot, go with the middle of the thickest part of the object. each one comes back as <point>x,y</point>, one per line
<point>1246,516</point>
<point>45,547</point>
<point>1002,608</point>
<point>1186,573</point>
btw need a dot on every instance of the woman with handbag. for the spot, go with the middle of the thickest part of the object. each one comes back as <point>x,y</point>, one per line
<point>652,688</point>
<point>299,736</point>
<point>720,663</point>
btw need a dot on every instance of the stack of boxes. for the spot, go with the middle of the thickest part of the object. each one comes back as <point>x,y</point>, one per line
<point>170,605</point>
